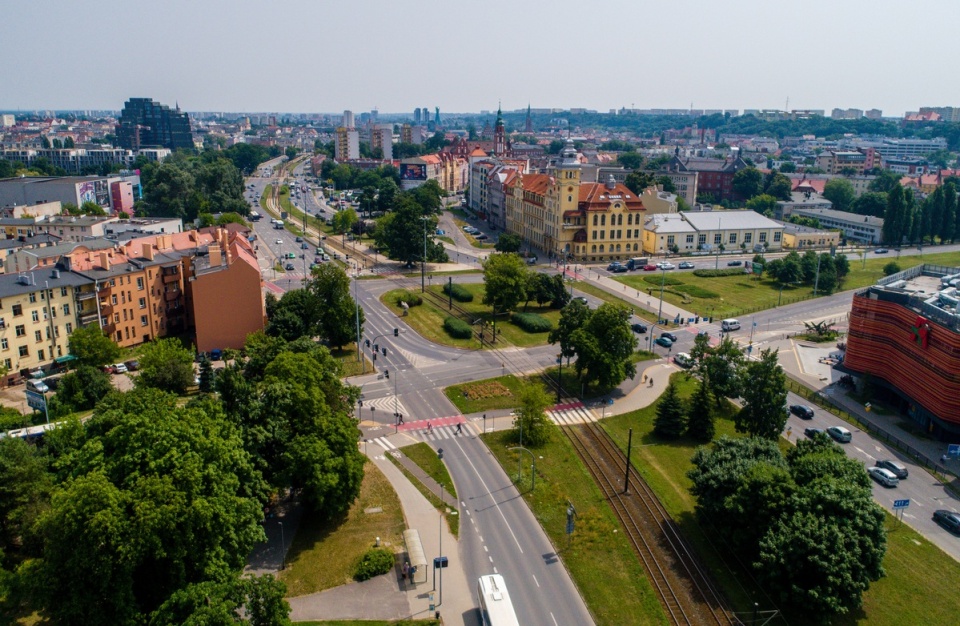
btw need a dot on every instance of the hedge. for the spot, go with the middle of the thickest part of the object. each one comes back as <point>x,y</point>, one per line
<point>531,322</point>
<point>696,291</point>
<point>457,328</point>
<point>667,280</point>
<point>374,563</point>
<point>730,271</point>
<point>412,299</point>
<point>458,292</point>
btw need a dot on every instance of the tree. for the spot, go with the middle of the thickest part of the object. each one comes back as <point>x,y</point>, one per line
<point>80,390</point>
<point>747,183</point>
<point>948,222</point>
<point>297,314</point>
<point>826,280</point>
<point>92,208</point>
<point>638,181</point>
<point>777,185</point>
<point>670,421</point>
<point>896,224</point>
<point>343,221</point>
<point>604,347</point>
<point>25,486</point>
<point>166,365</point>
<point>508,242</point>
<point>402,232</point>
<point>505,280</point>
<point>531,416</point>
<point>764,398</point>
<point>247,601</point>
<point>885,181</point>
<point>763,204</point>
<point>630,160</point>
<point>206,375</point>
<point>92,347</point>
<point>808,265</point>
<point>721,366</point>
<point>700,425</point>
<point>573,317</point>
<point>891,268</point>
<point>337,310</point>
<point>840,192</point>
<point>872,203</point>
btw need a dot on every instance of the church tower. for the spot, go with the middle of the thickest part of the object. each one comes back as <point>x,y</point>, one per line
<point>499,136</point>
<point>528,125</point>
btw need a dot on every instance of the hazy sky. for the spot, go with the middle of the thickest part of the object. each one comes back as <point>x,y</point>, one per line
<point>322,56</point>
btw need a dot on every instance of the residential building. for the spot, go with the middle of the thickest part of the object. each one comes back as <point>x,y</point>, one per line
<point>30,212</point>
<point>348,119</point>
<point>347,145</point>
<point>746,230</point>
<point>905,335</point>
<point>684,182</point>
<point>74,227</point>
<point>846,114</point>
<point>381,136</point>
<point>836,161</point>
<point>947,114</point>
<point>146,123</point>
<point>862,228</point>
<point>910,148</point>
<point>796,237</point>
<point>140,226</point>
<point>715,176</point>
<point>801,199</point>
<point>7,120</point>
<point>38,311</point>
<point>65,189</point>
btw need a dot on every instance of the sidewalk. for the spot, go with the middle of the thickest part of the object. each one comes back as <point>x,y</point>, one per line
<point>389,597</point>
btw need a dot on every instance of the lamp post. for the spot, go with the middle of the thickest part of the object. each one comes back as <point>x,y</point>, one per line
<point>533,467</point>
<point>423,260</point>
<point>356,298</point>
<point>283,549</point>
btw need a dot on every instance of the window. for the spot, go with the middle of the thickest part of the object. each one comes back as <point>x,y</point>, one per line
<point>66,309</point>
<point>689,238</point>
<point>143,303</point>
<point>17,310</point>
<point>140,283</point>
<point>21,330</point>
<point>628,233</point>
<point>33,297</point>
<point>630,220</point>
<point>763,237</point>
<point>602,235</point>
<point>7,363</point>
<point>37,335</point>
<point>4,344</point>
<point>636,233</point>
<point>113,299</point>
<point>119,335</point>
<point>620,220</point>
<point>717,239</point>
<point>594,236</point>
<point>603,220</point>
<point>776,236</point>
<point>63,292</point>
<point>23,351</point>
<point>702,239</point>
<point>747,237</point>
<point>35,316</point>
<point>48,332</point>
<point>594,220</point>
<point>40,355</point>
<point>143,320</point>
<point>69,328</point>
<point>671,240</point>
<point>732,238</point>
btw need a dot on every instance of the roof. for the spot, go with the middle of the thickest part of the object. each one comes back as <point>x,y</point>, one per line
<point>664,223</point>
<point>729,220</point>
<point>597,196</point>
<point>841,216</point>
<point>29,282</point>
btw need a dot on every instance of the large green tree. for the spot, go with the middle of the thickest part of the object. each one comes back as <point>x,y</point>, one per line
<point>531,416</point>
<point>573,317</point>
<point>748,183</point>
<point>165,364</point>
<point>80,390</point>
<point>840,192</point>
<point>721,365</point>
<point>604,347</point>
<point>506,281</point>
<point>670,420</point>
<point>247,601</point>
<point>508,242</point>
<point>764,398</point>
<point>337,311</point>
<point>405,231</point>
<point>896,218</point>
<point>92,347</point>
<point>700,421</point>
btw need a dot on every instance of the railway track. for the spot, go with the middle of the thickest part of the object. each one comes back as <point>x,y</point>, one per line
<point>683,586</point>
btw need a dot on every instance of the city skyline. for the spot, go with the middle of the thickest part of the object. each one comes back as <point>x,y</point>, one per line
<point>313,58</point>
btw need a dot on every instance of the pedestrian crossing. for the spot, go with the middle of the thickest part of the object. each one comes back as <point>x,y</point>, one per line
<point>570,414</point>
<point>385,406</point>
<point>383,444</point>
<point>439,433</point>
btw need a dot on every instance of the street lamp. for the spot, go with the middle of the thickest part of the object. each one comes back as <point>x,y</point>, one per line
<point>423,260</point>
<point>533,467</point>
<point>283,551</point>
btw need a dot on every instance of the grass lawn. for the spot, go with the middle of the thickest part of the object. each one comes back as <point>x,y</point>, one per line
<point>502,392</point>
<point>730,296</point>
<point>427,319</point>
<point>599,558</point>
<point>593,290</point>
<point>323,554</point>
<point>348,358</point>
<point>426,459</point>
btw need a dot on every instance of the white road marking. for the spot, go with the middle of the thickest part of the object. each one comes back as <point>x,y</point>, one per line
<point>496,504</point>
<point>554,620</point>
<point>535,580</point>
<point>491,559</point>
<point>485,549</point>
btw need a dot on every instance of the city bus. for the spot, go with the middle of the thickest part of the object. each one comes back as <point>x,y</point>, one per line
<point>495,606</point>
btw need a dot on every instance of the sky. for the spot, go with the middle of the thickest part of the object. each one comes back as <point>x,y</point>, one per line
<point>316,56</point>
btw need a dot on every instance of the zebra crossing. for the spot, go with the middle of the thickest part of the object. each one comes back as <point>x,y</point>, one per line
<point>439,433</point>
<point>386,445</point>
<point>570,414</point>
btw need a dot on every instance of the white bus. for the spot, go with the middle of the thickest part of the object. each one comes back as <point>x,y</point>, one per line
<point>495,606</point>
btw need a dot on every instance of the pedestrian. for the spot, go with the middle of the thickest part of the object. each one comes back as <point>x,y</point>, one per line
<point>651,381</point>
<point>406,568</point>
<point>429,427</point>
<point>459,428</point>
<point>644,378</point>
<point>944,458</point>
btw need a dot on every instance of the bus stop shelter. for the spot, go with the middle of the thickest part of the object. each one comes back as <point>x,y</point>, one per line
<point>418,562</point>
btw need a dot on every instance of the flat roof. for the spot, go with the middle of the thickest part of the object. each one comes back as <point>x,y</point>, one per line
<point>729,220</point>
<point>840,216</point>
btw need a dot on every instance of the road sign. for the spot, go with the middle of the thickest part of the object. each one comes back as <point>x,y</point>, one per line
<point>901,504</point>
<point>36,400</point>
<point>953,449</point>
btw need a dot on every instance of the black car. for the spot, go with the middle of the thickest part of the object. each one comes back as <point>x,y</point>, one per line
<point>581,299</point>
<point>948,519</point>
<point>734,263</point>
<point>620,269</point>
<point>812,432</point>
<point>289,267</point>
<point>801,411</point>
<point>613,266</point>
<point>638,328</point>
<point>881,251</point>
<point>670,336</point>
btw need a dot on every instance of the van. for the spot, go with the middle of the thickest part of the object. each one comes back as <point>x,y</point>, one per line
<point>730,324</point>
<point>37,385</point>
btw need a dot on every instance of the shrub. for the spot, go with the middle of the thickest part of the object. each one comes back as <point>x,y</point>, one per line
<point>458,292</point>
<point>891,268</point>
<point>729,271</point>
<point>531,322</point>
<point>412,299</point>
<point>456,328</point>
<point>667,280</point>
<point>374,563</point>
<point>696,291</point>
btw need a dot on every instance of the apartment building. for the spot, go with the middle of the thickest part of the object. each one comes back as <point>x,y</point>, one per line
<point>75,228</point>
<point>864,228</point>
<point>347,144</point>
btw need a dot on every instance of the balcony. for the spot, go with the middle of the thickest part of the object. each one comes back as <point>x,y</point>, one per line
<point>171,277</point>
<point>88,317</point>
<point>83,296</point>
<point>105,307</point>
<point>571,226</point>
<point>173,294</point>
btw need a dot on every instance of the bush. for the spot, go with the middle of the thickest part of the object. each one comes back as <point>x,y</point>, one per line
<point>696,291</point>
<point>374,563</point>
<point>412,299</point>
<point>458,292</point>
<point>456,328</point>
<point>667,280</point>
<point>729,271</point>
<point>891,268</point>
<point>531,322</point>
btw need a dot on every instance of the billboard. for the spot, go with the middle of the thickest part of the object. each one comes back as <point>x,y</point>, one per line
<point>413,171</point>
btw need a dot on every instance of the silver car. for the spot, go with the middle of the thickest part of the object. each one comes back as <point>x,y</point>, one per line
<point>883,476</point>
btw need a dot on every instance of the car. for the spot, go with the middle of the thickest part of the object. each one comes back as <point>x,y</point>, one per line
<point>638,328</point>
<point>613,266</point>
<point>683,360</point>
<point>665,265</point>
<point>581,299</point>
<point>620,269</point>
<point>299,239</point>
<point>839,434</point>
<point>734,263</point>
<point>216,354</point>
<point>686,265</point>
<point>669,336</point>
<point>441,232</point>
<point>120,368</point>
<point>801,410</point>
<point>883,476</point>
<point>703,333</point>
<point>897,469</point>
<point>108,369</point>
<point>664,341</point>
<point>305,246</point>
<point>279,242</point>
<point>288,267</point>
<point>38,385</point>
<point>948,519</point>
<point>480,236</point>
<point>812,432</point>
<point>132,365</point>
<point>650,268</point>
<point>881,251</point>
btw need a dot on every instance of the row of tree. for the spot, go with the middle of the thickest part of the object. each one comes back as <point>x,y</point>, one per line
<point>934,218</point>
<point>186,186</point>
<point>823,270</point>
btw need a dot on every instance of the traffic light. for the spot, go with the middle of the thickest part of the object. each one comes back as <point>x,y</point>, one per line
<point>440,453</point>
<point>396,332</point>
<point>384,352</point>
<point>386,373</point>
<point>376,347</point>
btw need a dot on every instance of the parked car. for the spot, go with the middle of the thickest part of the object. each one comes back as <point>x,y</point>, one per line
<point>650,268</point>
<point>120,368</point>
<point>881,251</point>
<point>948,519</point>
<point>801,410</point>
<point>897,469</point>
<point>38,385</point>
<point>613,265</point>
<point>132,365</point>
<point>441,232</point>
<point>669,336</point>
<point>279,242</point>
<point>683,360</point>
<point>734,263</point>
<point>664,341</point>
<point>305,246</point>
<point>882,476</point>
<point>299,239</point>
<point>812,432</point>
<point>480,236</point>
<point>839,434</point>
<point>665,265</point>
<point>686,265</point>
<point>581,299</point>
<point>638,328</point>
<point>108,369</point>
<point>216,354</point>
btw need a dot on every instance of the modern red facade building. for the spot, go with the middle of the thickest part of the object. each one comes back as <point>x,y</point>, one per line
<point>905,334</point>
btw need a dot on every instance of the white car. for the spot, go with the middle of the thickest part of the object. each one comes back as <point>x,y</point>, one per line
<point>279,242</point>
<point>664,265</point>
<point>883,476</point>
<point>120,368</point>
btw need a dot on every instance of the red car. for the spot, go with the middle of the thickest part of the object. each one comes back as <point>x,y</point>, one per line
<point>650,268</point>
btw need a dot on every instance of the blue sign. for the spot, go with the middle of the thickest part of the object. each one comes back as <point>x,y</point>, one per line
<point>901,504</point>
<point>953,449</point>
<point>36,400</point>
